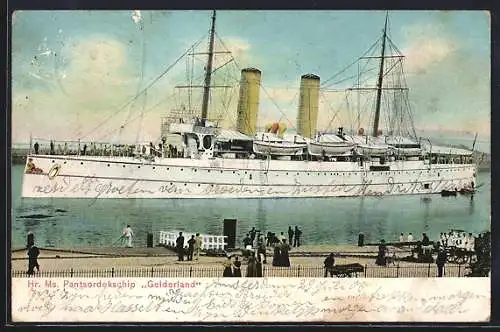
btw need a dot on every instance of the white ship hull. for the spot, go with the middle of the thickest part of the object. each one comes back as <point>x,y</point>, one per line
<point>118,177</point>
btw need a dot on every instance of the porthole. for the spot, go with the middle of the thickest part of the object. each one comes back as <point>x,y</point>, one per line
<point>171,183</point>
<point>307,173</point>
<point>168,168</point>
<point>286,173</point>
<point>185,184</point>
<point>123,166</point>
<point>331,173</point>
<point>234,172</point>
<point>109,165</point>
<point>154,167</point>
<point>65,162</point>
<point>221,171</point>
<point>138,166</point>
<point>195,170</point>
<point>246,172</point>
<point>297,173</point>
<point>53,161</point>
<point>198,184</point>
<point>182,169</point>
<point>209,171</point>
<point>81,163</point>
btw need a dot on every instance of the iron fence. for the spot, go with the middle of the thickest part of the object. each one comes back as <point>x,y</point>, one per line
<point>304,271</point>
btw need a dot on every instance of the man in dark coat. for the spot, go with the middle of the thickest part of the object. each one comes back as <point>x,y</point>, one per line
<point>247,241</point>
<point>37,147</point>
<point>298,233</point>
<point>191,243</point>
<point>228,271</point>
<point>382,250</point>
<point>252,235</point>
<point>179,244</point>
<point>237,268</point>
<point>441,260</point>
<point>33,253</point>
<point>329,263</point>
<point>290,234</point>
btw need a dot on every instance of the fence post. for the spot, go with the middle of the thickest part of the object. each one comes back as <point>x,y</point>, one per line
<point>298,271</point>
<point>190,271</point>
<point>397,270</point>
<point>459,265</point>
<point>152,271</point>
<point>365,269</point>
<point>429,270</point>
<point>112,272</point>
<point>71,273</point>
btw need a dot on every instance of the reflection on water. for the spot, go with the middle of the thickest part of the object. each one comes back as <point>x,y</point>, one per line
<point>83,222</point>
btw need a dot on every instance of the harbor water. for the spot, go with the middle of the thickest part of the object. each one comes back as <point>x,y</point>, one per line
<point>73,223</point>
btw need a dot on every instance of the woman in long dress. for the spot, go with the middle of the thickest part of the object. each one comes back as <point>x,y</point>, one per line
<point>276,255</point>
<point>251,268</point>
<point>285,248</point>
<point>258,267</point>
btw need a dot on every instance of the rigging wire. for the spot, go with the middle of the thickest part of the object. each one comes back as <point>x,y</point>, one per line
<point>323,85</point>
<point>135,118</point>
<point>140,93</point>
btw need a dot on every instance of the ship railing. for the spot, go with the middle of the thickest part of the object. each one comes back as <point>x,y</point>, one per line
<point>92,148</point>
<point>209,242</point>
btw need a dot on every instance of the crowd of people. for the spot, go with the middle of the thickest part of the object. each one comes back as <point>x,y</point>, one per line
<point>233,268</point>
<point>458,239</point>
<point>271,239</point>
<point>193,247</point>
<point>100,149</point>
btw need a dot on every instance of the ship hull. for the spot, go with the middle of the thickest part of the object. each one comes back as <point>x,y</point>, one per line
<point>101,177</point>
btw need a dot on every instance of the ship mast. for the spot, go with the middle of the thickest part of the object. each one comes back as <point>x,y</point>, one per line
<point>208,73</point>
<point>379,85</point>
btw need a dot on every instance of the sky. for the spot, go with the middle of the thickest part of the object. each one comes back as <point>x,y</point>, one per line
<point>77,74</point>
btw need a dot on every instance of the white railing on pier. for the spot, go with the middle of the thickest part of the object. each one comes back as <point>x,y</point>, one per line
<point>209,242</point>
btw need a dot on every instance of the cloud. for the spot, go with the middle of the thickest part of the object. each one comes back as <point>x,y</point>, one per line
<point>240,50</point>
<point>440,69</point>
<point>428,45</point>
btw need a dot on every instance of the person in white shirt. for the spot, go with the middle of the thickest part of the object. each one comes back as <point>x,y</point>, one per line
<point>410,237</point>
<point>128,234</point>
<point>402,238</point>
<point>470,242</point>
